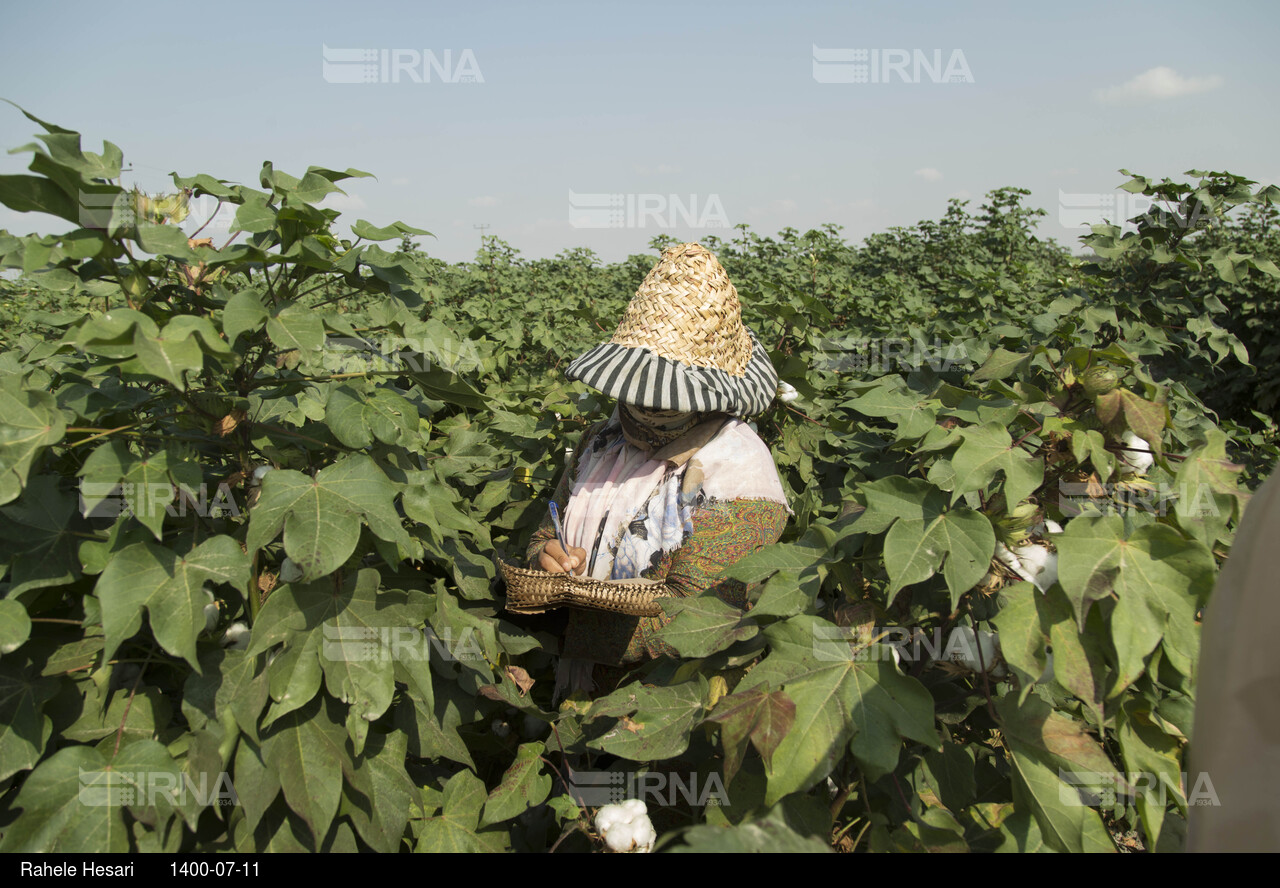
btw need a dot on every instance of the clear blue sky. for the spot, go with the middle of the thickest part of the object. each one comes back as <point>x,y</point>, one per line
<point>717,104</point>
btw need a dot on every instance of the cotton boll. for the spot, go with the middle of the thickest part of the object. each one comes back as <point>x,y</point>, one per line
<point>626,827</point>
<point>290,572</point>
<point>261,472</point>
<point>1052,526</point>
<point>1137,459</point>
<point>210,611</point>
<point>500,728</point>
<point>963,649</point>
<point>1040,564</point>
<point>1035,564</point>
<point>236,637</point>
<point>787,392</point>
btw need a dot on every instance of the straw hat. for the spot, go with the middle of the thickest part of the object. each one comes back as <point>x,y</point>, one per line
<point>682,344</point>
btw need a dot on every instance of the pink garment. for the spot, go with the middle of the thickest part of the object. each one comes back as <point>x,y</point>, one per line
<point>620,479</point>
<point>616,482</point>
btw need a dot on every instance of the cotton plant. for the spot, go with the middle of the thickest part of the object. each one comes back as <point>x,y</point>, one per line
<point>626,827</point>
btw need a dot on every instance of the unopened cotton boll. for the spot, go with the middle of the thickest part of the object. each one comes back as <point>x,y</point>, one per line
<point>236,637</point>
<point>787,392</point>
<point>1138,459</point>
<point>626,827</point>
<point>290,572</point>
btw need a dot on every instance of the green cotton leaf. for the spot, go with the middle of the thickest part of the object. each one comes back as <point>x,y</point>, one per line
<point>55,817</point>
<point>1020,834</point>
<point>456,828</point>
<point>169,355</point>
<point>310,189</point>
<point>231,682</point>
<point>380,777</point>
<point>763,716</point>
<point>703,625</point>
<point>36,194</point>
<point>1208,492</point>
<point>915,548</point>
<point>1148,750</point>
<point>165,240</point>
<point>24,730</point>
<point>768,836</point>
<point>949,775</point>
<point>244,313</point>
<point>255,215</point>
<point>357,417</point>
<point>523,786</point>
<point>38,537</point>
<point>29,422</point>
<point>395,230</point>
<point>1001,364</point>
<point>294,676</point>
<point>307,751</point>
<point>868,705</point>
<point>801,556</point>
<point>654,723</point>
<point>256,784</point>
<point>141,718</point>
<point>357,632</point>
<point>431,724</point>
<point>988,449</point>
<point>146,483</point>
<point>1046,747</point>
<point>1158,577</point>
<point>321,516</point>
<point>296,327</point>
<point>889,499</point>
<point>473,636</point>
<point>1122,411</point>
<point>442,385</point>
<point>15,626</point>
<point>1022,637</point>
<point>170,588</point>
<point>200,328</point>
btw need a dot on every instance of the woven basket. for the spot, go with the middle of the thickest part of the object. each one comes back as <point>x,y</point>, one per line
<point>535,591</point>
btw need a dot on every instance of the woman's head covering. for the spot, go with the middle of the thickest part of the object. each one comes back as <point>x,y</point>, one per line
<point>682,345</point>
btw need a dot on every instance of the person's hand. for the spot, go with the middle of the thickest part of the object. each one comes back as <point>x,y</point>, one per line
<point>554,559</point>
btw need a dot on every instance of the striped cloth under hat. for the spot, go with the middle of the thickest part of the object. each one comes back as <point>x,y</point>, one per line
<point>682,345</point>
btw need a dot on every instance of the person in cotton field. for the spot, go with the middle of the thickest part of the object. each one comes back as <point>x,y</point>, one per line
<point>674,485</point>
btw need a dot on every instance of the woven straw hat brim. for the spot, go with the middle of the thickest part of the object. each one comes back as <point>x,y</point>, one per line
<point>642,378</point>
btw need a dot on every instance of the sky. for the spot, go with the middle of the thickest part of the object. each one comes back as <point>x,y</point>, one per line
<point>603,125</point>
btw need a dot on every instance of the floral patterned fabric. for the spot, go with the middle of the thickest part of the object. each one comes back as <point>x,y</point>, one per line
<point>680,536</point>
